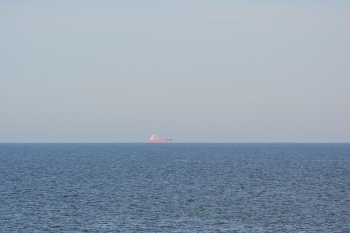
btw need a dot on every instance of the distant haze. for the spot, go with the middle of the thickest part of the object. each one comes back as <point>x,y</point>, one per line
<point>195,71</point>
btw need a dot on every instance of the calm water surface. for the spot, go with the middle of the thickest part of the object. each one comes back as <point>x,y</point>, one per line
<point>175,187</point>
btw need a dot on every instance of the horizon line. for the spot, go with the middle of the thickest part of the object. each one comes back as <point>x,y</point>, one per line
<point>167,142</point>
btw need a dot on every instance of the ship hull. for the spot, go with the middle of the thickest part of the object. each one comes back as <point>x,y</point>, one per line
<point>160,140</point>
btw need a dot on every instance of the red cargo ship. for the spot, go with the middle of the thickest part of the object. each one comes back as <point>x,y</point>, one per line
<point>154,138</point>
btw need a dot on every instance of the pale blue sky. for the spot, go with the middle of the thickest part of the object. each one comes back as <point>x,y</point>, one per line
<point>195,71</point>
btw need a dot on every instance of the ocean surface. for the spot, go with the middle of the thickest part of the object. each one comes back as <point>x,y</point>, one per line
<point>175,187</point>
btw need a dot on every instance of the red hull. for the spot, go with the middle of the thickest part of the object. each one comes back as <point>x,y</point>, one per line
<point>162,140</point>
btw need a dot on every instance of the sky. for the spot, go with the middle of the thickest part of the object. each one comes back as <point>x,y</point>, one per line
<point>195,71</point>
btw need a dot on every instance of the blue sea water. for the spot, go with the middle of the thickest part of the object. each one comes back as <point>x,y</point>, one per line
<point>175,187</point>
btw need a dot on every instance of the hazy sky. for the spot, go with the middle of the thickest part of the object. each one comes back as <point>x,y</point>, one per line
<point>195,71</point>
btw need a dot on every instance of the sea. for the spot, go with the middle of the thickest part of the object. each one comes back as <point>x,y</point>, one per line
<point>175,187</point>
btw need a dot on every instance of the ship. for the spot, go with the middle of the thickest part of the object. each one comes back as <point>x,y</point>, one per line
<point>154,138</point>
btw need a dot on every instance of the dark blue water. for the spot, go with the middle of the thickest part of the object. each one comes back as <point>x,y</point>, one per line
<point>175,187</point>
